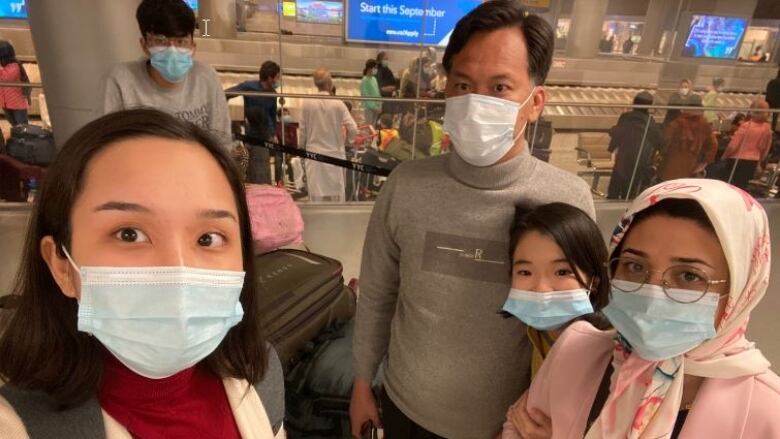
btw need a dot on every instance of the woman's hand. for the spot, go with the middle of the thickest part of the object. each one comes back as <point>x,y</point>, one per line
<point>531,424</point>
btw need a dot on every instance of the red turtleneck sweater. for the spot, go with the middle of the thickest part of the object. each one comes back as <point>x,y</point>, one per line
<point>190,404</point>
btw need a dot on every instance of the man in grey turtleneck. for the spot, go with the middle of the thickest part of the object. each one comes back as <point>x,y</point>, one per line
<point>436,264</point>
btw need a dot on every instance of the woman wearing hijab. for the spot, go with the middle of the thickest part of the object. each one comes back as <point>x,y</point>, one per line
<point>13,100</point>
<point>678,364</point>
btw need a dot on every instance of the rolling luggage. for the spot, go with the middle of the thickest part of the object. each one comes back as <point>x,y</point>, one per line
<point>300,294</point>
<point>32,145</point>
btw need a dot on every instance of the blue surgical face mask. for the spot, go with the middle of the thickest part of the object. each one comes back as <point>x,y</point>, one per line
<point>550,310</point>
<point>276,84</point>
<point>173,63</point>
<point>287,118</point>
<point>159,320</point>
<point>657,327</point>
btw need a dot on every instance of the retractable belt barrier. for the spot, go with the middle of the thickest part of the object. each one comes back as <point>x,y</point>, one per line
<point>343,163</point>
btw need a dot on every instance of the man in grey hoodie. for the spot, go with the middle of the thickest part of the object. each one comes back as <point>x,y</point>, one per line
<point>436,266</point>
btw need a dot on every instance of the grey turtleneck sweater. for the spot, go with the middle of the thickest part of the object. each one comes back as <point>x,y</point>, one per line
<point>435,272</point>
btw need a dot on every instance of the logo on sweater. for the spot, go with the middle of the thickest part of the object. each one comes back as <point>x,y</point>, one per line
<point>465,257</point>
<point>477,254</point>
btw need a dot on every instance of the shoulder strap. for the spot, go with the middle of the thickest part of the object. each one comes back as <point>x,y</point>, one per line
<point>601,396</point>
<point>44,420</point>
<point>271,390</point>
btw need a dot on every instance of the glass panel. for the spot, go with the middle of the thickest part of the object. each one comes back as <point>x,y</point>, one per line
<point>578,126</point>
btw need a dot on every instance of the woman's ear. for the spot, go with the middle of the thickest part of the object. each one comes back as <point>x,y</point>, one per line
<point>61,269</point>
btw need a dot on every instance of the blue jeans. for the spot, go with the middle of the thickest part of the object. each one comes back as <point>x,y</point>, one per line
<point>16,117</point>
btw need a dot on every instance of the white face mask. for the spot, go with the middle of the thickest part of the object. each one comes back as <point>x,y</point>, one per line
<point>482,128</point>
<point>684,91</point>
<point>158,321</point>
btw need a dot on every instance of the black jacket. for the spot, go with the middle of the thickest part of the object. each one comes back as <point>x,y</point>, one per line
<point>385,77</point>
<point>626,139</point>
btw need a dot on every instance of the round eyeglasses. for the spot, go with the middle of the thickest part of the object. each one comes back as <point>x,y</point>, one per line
<point>677,281</point>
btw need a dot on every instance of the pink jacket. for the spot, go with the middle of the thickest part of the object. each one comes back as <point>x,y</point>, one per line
<point>566,386</point>
<point>752,141</point>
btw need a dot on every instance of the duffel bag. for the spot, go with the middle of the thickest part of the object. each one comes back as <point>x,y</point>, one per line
<point>32,144</point>
<point>276,219</point>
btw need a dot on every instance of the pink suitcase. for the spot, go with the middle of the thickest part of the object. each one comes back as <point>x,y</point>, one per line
<point>276,219</point>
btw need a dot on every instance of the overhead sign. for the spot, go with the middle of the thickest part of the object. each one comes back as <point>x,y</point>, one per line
<point>427,22</point>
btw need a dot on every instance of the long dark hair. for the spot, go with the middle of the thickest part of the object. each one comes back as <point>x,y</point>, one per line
<point>581,241</point>
<point>41,347</point>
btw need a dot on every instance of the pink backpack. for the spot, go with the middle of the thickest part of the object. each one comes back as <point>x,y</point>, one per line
<point>275,218</point>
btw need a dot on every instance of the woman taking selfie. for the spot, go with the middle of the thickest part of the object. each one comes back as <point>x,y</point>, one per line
<point>137,314</point>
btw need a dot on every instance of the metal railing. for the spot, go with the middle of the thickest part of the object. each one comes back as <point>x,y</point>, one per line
<point>594,162</point>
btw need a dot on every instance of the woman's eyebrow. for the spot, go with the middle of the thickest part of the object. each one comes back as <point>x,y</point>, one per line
<point>636,252</point>
<point>217,214</point>
<point>123,207</point>
<point>683,260</point>
<point>133,207</point>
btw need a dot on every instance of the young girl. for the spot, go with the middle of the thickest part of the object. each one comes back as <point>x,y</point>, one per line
<point>558,276</point>
<point>138,310</point>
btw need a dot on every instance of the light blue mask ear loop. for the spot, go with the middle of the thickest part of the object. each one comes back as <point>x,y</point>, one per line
<point>72,262</point>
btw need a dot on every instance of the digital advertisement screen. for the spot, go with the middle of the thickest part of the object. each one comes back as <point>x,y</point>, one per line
<point>429,22</point>
<point>18,8</point>
<point>713,36</point>
<point>320,11</point>
<point>13,9</point>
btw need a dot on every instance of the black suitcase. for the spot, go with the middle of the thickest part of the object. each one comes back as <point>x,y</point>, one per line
<point>300,294</point>
<point>32,144</point>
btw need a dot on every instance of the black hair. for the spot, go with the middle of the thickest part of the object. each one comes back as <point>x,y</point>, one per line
<point>370,64</point>
<point>500,14</point>
<point>7,53</point>
<point>643,98</point>
<point>43,330</point>
<point>268,70</point>
<point>579,238</point>
<point>386,120</point>
<point>171,18</point>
